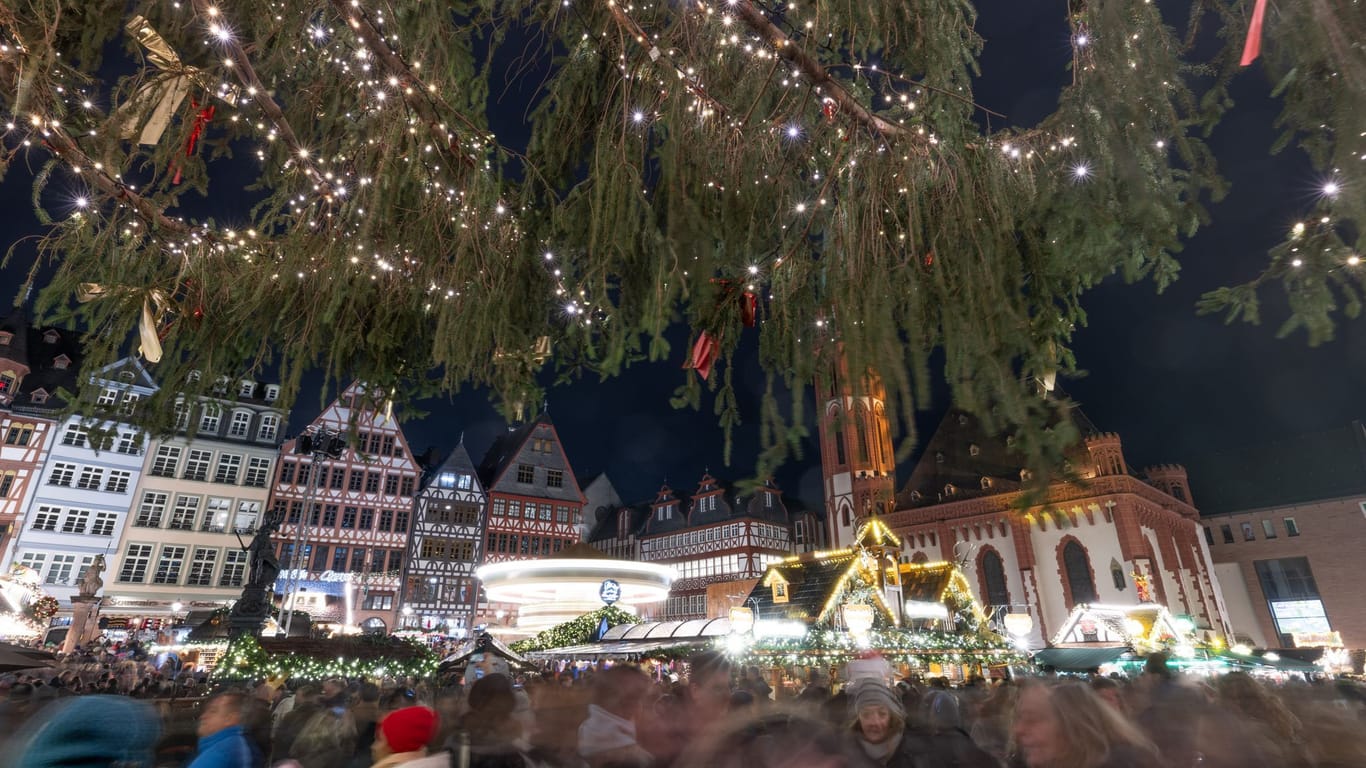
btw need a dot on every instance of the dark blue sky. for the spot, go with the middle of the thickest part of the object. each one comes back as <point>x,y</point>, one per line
<point>1177,387</point>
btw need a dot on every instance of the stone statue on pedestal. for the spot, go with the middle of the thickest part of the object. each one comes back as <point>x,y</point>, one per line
<point>253,608</point>
<point>91,583</point>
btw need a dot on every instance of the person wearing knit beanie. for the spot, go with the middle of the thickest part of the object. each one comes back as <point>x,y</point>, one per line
<point>402,739</point>
<point>93,732</point>
<point>880,720</point>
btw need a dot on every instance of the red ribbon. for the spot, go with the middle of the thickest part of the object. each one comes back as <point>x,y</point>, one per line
<point>201,119</point>
<point>748,306</point>
<point>1252,47</point>
<point>704,352</point>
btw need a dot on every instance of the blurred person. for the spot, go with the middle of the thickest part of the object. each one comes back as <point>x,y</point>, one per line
<point>327,740</point>
<point>607,739</point>
<point>334,693</point>
<point>222,741</point>
<point>1066,725</point>
<point>773,740</point>
<point>709,686</point>
<point>366,716</point>
<point>879,724</point>
<point>306,702</point>
<point>94,732</point>
<point>494,726</point>
<point>991,728</point>
<point>941,741</point>
<point>1109,691</point>
<point>752,680</point>
<point>402,739</point>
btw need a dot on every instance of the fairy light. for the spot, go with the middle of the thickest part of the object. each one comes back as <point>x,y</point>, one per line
<point>1331,189</point>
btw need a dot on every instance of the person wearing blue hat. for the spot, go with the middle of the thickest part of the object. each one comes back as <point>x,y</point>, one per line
<point>94,732</point>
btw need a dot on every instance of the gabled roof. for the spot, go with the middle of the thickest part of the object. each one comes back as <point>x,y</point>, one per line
<point>811,580</point>
<point>114,373</point>
<point>43,372</point>
<point>961,452</point>
<point>676,522</point>
<point>757,506</point>
<point>498,472</point>
<point>708,488</point>
<point>458,463</point>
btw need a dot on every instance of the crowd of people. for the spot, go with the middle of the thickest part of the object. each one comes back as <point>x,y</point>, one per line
<point>619,716</point>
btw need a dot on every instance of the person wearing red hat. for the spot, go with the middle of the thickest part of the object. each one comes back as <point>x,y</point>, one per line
<point>402,739</point>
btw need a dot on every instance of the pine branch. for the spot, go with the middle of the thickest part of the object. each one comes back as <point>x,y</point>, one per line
<point>64,146</point>
<point>630,27</point>
<point>815,71</point>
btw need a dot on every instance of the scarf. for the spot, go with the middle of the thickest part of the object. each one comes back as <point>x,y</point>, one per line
<point>880,753</point>
<point>604,732</point>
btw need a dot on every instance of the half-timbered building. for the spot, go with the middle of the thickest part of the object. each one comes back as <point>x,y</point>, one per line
<point>36,365</point>
<point>447,543</point>
<point>360,513</point>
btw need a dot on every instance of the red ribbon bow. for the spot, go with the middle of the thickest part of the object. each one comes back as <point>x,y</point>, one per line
<point>201,119</point>
<point>1252,47</point>
<point>704,352</point>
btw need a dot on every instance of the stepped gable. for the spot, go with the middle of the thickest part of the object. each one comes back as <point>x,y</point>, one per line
<point>757,507</point>
<point>962,460</point>
<point>674,522</point>
<point>709,504</point>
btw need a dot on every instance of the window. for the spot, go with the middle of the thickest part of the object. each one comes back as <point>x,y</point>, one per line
<point>390,447</point>
<point>375,602</point>
<point>546,512</point>
<point>150,511</point>
<point>367,519</point>
<point>554,478</point>
<point>45,519</point>
<point>129,444</point>
<point>401,521</point>
<point>19,434</point>
<point>348,520</point>
<point>76,435</point>
<point>287,472</point>
<point>240,424</point>
<point>234,568</point>
<point>386,519</point>
<point>76,521</point>
<point>135,562</point>
<point>994,590</point>
<point>320,553</point>
<point>296,509</point>
<point>130,402</point>
<point>1209,536</point>
<point>258,472</point>
<point>407,485</point>
<point>390,485</point>
<point>184,512</point>
<point>1117,575</point>
<point>272,392</point>
<point>166,460</point>
<point>1268,529</point>
<point>339,556</point>
<point>169,565</point>
<point>526,473</point>
<point>33,560</point>
<point>338,479</point>
<point>197,465</point>
<point>270,427</point>
<point>91,478</point>
<point>228,466</point>
<point>208,420</point>
<point>304,470</point>
<point>1291,528</point>
<point>60,572</point>
<point>182,415</point>
<point>357,560</point>
<point>246,388</point>
<point>201,567</point>
<point>464,482</point>
<point>1248,533</point>
<point>372,482</point>
<point>107,398</point>
<point>561,514</point>
<point>1078,568</point>
<point>1227,532</point>
<point>248,515</point>
<point>104,524</point>
<point>395,560</point>
<point>330,516</point>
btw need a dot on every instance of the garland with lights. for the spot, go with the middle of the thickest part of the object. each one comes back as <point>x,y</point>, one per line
<point>828,646</point>
<point>347,658</point>
<point>807,171</point>
<point>575,631</point>
<point>44,608</point>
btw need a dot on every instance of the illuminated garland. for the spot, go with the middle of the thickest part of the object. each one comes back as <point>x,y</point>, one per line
<point>827,646</point>
<point>44,608</point>
<point>247,660</point>
<point>575,632</point>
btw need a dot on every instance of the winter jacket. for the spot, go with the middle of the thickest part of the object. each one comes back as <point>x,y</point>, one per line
<point>415,760</point>
<point>229,748</point>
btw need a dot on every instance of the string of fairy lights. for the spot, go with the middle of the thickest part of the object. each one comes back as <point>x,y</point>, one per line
<point>380,80</point>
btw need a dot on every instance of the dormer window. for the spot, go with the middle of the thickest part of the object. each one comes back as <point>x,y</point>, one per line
<point>986,483</point>
<point>950,489</point>
<point>939,458</point>
<point>915,496</point>
<point>272,393</point>
<point>246,389</point>
<point>61,362</point>
<point>962,420</point>
<point>51,337</point>
<point>126,375</point>
<point>39,396</point>
<point>1026,475</point>
<point>5,338</point>
<point>7,382</point>
<point>974,450</point>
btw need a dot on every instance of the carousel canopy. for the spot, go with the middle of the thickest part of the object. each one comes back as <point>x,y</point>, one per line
<point>632,640</point>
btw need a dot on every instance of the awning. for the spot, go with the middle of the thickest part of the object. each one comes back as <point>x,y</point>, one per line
<point>1079,659</point>
<point>618,649</point>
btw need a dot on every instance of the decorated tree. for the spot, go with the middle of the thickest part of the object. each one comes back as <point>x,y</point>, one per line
<point>318,183</point>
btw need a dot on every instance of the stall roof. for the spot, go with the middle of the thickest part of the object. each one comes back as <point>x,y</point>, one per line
<point>632,639</point>
<point>1079,659</point>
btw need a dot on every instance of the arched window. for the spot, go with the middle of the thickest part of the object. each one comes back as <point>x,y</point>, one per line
<point>844,516</point>
<point>1078,568</point>
<point>861,427</point>
<point>1117,574</point>
<point>920,558</point>
<point>994,590</point>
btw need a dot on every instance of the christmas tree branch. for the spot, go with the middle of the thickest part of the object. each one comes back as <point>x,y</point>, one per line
<point>630,27</point>
<point>63,145</point>
<point>815,71</point>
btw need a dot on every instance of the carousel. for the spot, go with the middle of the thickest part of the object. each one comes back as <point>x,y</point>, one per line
<point>575,581</point>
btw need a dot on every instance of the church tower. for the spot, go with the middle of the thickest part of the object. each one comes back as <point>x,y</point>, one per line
<point>858,464</point>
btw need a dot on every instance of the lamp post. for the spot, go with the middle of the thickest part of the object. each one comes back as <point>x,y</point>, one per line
<point>321,443</point>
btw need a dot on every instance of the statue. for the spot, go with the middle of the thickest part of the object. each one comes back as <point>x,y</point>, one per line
<point>250,611</point>
<point>91,581</point>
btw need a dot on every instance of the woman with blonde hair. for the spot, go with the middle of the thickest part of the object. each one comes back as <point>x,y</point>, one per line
<point>1068,726</point>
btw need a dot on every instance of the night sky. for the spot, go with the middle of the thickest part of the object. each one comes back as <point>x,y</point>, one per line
<point>1177,387</point>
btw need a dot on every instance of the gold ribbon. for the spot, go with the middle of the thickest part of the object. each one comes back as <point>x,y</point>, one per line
<point>155,305</point>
